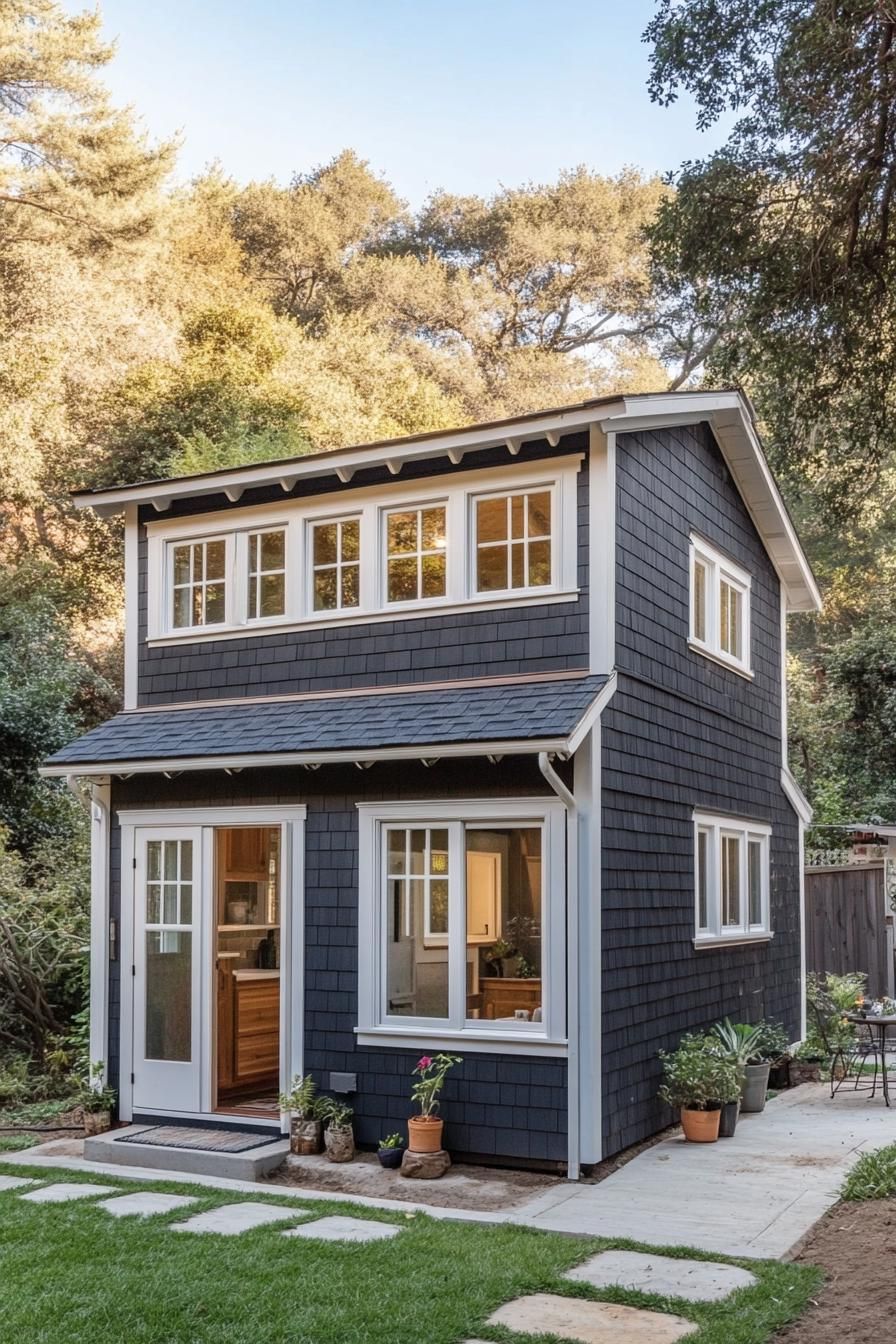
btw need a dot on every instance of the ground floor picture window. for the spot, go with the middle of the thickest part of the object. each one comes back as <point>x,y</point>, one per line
<point>462,908</point>
<point>731,860</point>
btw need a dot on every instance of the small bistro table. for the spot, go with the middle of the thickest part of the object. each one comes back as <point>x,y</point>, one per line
<point>877,1045</point>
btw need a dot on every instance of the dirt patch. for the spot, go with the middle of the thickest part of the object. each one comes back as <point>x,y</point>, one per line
<point>481,1189</point>
<point>853,1244</point>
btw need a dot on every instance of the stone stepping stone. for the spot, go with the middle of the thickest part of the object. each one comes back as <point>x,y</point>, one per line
<point>695,1280</point>
<point>62,1193</point>
<point>590,1322</point>
<point>340,1228</point>
<point>144,1203</point>
<point>229,1220</point>
<point>14,1182</point>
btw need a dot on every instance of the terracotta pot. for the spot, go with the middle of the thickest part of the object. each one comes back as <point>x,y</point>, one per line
<point>425,1134</point>
<point>97,1122</point>
<point>340,1144</point>
<point>305,1137</point>
<point>701,1126</point>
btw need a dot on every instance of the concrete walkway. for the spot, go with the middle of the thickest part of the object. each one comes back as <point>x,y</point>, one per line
<point>756,1195</point>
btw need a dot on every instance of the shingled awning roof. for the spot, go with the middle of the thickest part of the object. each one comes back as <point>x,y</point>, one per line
<point>468,719</point>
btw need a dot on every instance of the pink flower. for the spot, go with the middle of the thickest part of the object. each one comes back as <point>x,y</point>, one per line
<point>424,1063</point>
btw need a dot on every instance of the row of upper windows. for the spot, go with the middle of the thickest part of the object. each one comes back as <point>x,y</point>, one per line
<point>507,542</point>
<point>512,544</point>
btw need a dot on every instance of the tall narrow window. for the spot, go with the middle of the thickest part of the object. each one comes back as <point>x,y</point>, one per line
<point>199,584</point>
<point>415,554</point>
<point>169,949</point>
<point>731,878</point>
<point>336,564</point>
<point>513,541</point>
<point>703,841</point>
<point>267,574</point>
<point>720,607</point>
<point>755,882</point>
<point>417,870</point>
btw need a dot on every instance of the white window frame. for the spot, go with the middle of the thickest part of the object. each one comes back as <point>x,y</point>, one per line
<point>412,506</point>
<point>245,538</point>
<point>375,1025</point>
<point>369,505</point>
<point>227,579</point>
<point>716,828</point>
<point>719,569</point>
<point>338,520</point>
<point>547,487</point>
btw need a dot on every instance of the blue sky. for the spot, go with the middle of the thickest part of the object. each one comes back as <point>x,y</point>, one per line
<point>467,96</point>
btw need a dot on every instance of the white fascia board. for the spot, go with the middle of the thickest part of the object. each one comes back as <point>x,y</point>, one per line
<point>343,462</point>
<point>592,714</point>
<point>729,416</point>
<point>797,799</point>
<point>257,760</point>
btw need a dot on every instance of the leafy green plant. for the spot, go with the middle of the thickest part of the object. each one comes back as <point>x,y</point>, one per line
<point>873,1176</point>
<point>828,998</point>
<point>301,1100</point>
<point>431,1074</point>
<point>739,1043</point>
<point>94,1095</point>
<point>392,1141</point>
<point>335,1114</point>
<point>697,1077</point>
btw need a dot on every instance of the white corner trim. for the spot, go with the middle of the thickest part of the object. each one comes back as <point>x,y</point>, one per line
<point>131,604</point>
<point>795,796</point>
<point>602,549</point>
<point>99,923</point>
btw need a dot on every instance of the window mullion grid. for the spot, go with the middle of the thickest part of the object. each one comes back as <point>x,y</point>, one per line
<point>714,888</point>
<point>457,927</point>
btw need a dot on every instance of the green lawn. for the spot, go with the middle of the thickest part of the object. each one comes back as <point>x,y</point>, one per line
<point>873,1176</point>
<point>72,1274</point>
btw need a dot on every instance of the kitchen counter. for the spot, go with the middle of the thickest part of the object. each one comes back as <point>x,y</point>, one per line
<point>254,973</point>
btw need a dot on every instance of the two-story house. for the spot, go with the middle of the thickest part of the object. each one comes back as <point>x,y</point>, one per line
<point>472,741</point>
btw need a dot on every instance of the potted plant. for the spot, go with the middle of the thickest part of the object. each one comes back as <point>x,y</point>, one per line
<point>805,1067</point>
<point>339,1139</point>
<point>425,1128</point>
<point>753,1046</point>
<point>504,957</point>
<point>697,1081</point>
<point>96,1101</point>
<point>391,1151</point>
<point>303,1104</point>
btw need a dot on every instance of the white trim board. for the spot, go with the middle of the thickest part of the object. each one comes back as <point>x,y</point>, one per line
<point>360,755</point>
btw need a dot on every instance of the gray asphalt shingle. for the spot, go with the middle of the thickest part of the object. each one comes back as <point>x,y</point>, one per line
<point>524,711</point>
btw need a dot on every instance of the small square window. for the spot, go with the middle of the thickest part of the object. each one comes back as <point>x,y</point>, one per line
<point>336,564</point>
<point>198,583</point>
<point>415,554</point>
<point>513,541</point>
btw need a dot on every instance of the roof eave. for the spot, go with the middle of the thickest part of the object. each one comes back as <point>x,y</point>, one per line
<point>730,416</point>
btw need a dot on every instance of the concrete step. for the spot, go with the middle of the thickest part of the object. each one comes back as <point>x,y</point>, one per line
<point>248,1166</point>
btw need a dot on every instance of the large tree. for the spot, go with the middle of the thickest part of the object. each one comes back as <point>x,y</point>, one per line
<point>782,243</point>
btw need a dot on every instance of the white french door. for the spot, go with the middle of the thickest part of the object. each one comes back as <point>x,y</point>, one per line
<point>168,964</point>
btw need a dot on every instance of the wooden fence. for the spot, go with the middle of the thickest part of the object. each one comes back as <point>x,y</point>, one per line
<point>848,926</point>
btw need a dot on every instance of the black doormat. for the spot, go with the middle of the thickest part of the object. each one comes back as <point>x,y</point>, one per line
<point>203,1140</point>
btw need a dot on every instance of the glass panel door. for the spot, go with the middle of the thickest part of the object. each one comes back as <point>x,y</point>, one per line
<point>167,969</point>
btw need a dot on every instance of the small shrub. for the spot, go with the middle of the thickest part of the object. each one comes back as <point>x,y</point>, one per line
<point>697,1077</point>
<point>873,1176</point>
